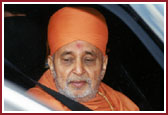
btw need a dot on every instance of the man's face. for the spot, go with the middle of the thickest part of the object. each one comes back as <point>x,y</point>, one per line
<point>78,69</point>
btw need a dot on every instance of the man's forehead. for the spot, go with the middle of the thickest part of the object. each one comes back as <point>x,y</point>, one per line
<point>78,47</point>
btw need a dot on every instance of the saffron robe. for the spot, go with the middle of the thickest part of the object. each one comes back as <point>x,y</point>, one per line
<point>118,100</point>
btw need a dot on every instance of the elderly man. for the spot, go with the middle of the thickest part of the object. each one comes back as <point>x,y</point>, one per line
<point>77,38</point>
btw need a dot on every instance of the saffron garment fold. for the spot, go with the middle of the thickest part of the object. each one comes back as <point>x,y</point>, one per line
<point>118,100</point>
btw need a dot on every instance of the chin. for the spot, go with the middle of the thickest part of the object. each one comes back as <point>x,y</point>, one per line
<point>85,99</point>
<point>82,96</point>
<point>79,96</point>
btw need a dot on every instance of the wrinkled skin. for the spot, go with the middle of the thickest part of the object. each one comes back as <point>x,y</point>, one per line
<point>78,69</point>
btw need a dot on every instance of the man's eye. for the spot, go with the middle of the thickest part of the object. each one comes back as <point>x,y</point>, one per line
<point>67,60</point>
<point>89,60</point>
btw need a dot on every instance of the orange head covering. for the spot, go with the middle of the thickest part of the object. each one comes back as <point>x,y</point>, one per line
<point>77,23</point>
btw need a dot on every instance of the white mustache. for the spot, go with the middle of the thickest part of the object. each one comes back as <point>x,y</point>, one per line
<point>75,78</point>
<point>78,79</point>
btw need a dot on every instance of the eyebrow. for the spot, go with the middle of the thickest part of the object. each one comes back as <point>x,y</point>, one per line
<point>92,53</point>
<point>66,53</point>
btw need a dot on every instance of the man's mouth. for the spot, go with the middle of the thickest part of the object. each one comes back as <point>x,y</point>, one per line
<point>78,84</point>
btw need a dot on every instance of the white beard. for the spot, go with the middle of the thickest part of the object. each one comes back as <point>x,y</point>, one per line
<point>88,94</point>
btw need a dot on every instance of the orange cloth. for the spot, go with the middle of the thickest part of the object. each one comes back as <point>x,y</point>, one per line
<point>119,101</point>
<point>77,23</point>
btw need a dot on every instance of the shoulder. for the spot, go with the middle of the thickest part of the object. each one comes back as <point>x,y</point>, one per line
<point>46,79</point>
<point>128,104</point>
<point>42,96</point>
<point>46,99</point>
<point>122,101</point>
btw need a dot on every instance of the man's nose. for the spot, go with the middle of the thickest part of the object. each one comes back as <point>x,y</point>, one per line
<point>78,68</point>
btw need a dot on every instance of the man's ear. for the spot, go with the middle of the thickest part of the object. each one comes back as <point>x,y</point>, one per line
<point>105,61</point>
<point>50,63</point>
